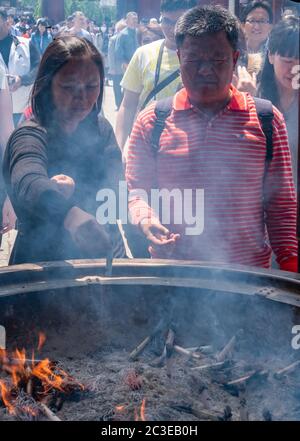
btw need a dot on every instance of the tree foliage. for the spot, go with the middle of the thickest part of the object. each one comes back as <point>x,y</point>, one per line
<point>32,5</point>
<point>92,9</point>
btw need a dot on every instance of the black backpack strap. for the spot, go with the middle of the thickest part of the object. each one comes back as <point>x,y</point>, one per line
<point>168,80</point>
<point>162,111</point>
<point>264,109</point>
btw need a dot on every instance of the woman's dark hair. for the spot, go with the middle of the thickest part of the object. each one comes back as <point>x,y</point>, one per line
<point>284,41</point>
<point>57,55</point>
<point>43,22</point>
<point>207,20</point>
<point>255,5</point>
<point>176,5</point>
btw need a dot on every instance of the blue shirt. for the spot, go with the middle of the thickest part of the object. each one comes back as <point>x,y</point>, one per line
<point>126,45</point>
<point>41,42</point>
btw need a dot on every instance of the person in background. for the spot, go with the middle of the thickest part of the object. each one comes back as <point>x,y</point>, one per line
<point>150,66</point>
<point>12,26</point>
<point>41,38</point>
<point>105,32</point>
<point>115,70</point>
<point>79,26</point>
<point>213,148</point>
<point>149,33</point>
<point>21,59</point>
<point>55,164</point>
<point>26,32</point>
<point>96,35</point>
<point>7,215</point>
<point>279,82</point>
<point>248,67</point>
<point>21,24</point>
<point>127,43</point>
<point>257,19</point>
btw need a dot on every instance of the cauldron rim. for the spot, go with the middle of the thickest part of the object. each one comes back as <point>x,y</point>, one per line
<point>274,285</point>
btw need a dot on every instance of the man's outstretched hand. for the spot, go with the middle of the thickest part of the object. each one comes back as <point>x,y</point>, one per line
<point>160,238</point>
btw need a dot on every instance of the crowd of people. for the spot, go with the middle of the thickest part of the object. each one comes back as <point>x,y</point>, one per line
<point>207,115</point>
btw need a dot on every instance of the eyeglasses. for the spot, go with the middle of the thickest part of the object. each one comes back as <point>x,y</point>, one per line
<point>167,22</point>
<point>259,22</point>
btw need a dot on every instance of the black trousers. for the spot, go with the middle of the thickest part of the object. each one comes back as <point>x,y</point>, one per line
<point>117,89</point>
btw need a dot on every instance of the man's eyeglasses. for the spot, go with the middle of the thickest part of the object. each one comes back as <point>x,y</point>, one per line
<point>259,22</point>
<point>167,22</point>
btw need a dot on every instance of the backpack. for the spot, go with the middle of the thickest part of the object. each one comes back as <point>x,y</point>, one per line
<point>264,109</point>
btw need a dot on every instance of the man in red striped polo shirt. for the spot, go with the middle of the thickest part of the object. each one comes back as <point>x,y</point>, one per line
<point>212,161</point>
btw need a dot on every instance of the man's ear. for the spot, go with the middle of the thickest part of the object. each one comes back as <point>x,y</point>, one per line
<point>271,58</point>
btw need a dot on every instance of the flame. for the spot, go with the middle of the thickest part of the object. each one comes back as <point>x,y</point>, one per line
<point>23,370</point>
<point>143,408</point>
<point>42,339</point>
<point>3,358</point>
<point>141,416</point>
<point>6,397</point>
<point>45,373</point>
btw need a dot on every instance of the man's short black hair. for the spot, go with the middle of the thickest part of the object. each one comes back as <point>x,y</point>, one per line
<point>254,5</point>
<point>207,20</point>
<point>176,5</point>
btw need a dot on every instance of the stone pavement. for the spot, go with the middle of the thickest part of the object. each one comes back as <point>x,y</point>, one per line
<point>9,238</point>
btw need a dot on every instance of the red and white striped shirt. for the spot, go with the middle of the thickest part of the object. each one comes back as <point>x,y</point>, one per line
<point>244,210</point>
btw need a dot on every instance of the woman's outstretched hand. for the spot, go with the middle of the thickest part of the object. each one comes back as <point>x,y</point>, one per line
<point>90,237</point>
<point>65,184</point>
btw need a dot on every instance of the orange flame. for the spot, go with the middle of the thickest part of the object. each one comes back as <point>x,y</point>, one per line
<point>6,397</point>
<point>22,370</point>
<point>143,409</point>
<point>141,416</point>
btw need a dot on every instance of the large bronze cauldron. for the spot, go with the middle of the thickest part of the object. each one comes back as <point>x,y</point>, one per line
<point>85,307</point>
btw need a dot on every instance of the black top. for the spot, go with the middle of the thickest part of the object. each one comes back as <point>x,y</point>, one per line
<point>33,155</point>
<point>5,46</point>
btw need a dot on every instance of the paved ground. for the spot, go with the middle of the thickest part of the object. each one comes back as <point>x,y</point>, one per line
<point>109,106</point>
<point>9,238</point>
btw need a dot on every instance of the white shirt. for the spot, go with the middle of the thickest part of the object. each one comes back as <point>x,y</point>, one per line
<point>3,79</point>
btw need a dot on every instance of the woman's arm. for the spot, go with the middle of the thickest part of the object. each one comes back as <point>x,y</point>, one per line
<point>25,173</point>
<point>36,196</point>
